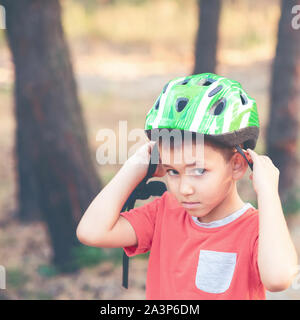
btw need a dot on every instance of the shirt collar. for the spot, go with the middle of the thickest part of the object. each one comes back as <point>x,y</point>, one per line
<point>226,220</point>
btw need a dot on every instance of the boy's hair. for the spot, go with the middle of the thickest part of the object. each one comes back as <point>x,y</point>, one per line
<point>225,151</point>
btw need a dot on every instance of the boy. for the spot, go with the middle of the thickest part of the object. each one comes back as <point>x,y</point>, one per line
<point>204,241</point>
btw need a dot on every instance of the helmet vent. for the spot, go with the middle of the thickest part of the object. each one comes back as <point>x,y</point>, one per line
<point>185,81</point>
<point>181,104</point>
<point>243,99</point>
<point>157,104</point>
<point>218,107</point>
<point>165,87</point>
<point>215,91</point>
<point>206,82</point>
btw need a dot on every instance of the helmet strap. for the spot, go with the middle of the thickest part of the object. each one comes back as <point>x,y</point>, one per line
<point>240,150</point>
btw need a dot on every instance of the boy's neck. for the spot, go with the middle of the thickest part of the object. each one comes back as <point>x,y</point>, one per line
<point>229,205</point>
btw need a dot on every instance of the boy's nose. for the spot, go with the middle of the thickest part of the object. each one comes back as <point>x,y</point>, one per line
<point>185,187</point>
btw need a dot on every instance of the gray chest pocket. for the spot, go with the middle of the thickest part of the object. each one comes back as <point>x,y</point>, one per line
<point>215,270</point>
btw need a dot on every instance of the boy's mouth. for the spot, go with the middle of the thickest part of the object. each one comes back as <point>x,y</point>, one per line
<point>190,204</point>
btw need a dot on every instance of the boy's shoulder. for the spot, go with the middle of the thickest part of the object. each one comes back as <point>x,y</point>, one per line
<point>249,221</point>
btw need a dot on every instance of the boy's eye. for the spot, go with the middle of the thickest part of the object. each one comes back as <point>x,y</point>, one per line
<point>197,171</point>
<point>169,172</point>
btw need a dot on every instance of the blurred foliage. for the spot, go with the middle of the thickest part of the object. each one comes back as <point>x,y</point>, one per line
<point>244,30</point>
<point>85,256</point>
<point>2,38</point>
<point>16,278</point>
<point>37,295</point>
<point>117,2</point>
<point>143,255</point>
<point>127,22</point>
<point>292,204</point>
<point>244,25</point>
<point>107,175</point>
<point>169,23</point>
<point>254,203</point>
<point>90,5</point>
<point>47,271</point>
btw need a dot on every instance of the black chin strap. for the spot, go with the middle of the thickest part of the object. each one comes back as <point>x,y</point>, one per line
<point>239,149</point>
<point>143,191</point>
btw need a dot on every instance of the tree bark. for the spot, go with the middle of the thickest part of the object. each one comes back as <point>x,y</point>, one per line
<point>207,36</point>
<point>56,173</point>
<point>283,127</point>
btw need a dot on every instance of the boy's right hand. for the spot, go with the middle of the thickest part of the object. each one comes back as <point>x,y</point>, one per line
<point>141,158</point>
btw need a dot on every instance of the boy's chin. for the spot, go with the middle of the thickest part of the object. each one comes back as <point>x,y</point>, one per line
<point>196,212</point>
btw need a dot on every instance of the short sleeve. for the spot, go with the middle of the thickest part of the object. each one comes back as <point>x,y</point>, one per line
<point>143,221</point>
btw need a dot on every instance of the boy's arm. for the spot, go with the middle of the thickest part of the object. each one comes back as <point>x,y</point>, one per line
<point>101,224</point>
<point>277,257</point>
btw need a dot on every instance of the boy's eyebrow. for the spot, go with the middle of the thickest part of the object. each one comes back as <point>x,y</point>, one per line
<point>188,165</point>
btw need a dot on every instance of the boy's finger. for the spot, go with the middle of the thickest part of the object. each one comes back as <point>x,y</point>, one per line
<point>256,157</point>
<point>252,153</point>
<point>247,155</point>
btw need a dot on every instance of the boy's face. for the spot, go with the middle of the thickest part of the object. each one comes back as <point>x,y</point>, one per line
<point>206,183</point>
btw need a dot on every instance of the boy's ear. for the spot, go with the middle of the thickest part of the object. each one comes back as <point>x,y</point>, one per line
<point>239,166</point>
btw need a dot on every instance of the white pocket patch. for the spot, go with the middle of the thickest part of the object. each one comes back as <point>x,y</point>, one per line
<point>215,270</point>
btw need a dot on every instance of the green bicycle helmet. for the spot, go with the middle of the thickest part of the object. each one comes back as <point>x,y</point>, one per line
<point>208,104</point>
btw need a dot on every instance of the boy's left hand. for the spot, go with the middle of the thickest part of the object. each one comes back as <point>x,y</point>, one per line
<point>265,175</point>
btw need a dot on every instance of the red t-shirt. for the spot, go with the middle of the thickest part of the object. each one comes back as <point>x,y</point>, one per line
<point>191,260</point>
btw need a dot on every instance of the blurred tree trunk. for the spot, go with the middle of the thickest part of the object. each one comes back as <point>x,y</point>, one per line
<point>283,127</point>
<point>56,174</point>
<point>207,36</point>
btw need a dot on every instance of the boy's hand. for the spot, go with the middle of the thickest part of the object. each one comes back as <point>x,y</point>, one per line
<point>141,158</point>
<point>265,175</point>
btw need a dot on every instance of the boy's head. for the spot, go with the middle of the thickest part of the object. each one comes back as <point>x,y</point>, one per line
<point>222,112</point>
